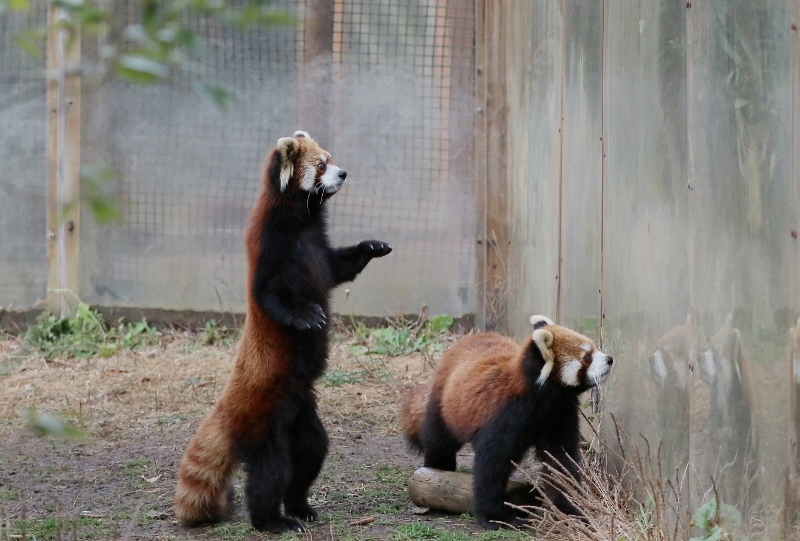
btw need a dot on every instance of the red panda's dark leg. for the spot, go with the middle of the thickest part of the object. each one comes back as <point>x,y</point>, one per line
<point>498,446</point>
<point>308,444</point>
<point>267,466</point>
<point>348,262</point>
<point>438,442</point>
<point>561,455</point>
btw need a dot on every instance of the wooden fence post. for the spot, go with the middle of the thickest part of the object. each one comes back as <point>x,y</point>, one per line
<point>63,164</point>
<point>317,70</point>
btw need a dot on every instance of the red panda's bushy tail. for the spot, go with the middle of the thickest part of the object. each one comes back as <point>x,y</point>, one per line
<point>205,491</point>
<point>412,413</point>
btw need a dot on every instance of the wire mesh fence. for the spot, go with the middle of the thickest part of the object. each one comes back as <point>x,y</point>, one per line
<point>390,96</point>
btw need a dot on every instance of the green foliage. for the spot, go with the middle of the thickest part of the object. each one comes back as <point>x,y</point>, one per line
<point>14,5</point>
<point>214,334</point>
<point>87,335</point>
<point>161,40</point>
<point>402,338</point>
<point>335,376</point>
<point>47,424</point>
<point>717,524</point>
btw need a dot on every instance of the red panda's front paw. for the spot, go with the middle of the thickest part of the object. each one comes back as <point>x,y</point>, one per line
<point>303,511</point>
<point>375,248</point>
<point>311,316</point>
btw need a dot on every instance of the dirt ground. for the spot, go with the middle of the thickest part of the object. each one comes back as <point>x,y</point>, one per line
<point>139,410</point>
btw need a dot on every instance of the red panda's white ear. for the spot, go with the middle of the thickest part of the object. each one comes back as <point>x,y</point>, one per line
<point>288,148</point>
<point>540,321</point>
<point>544,340</point>
<point>300,134</point>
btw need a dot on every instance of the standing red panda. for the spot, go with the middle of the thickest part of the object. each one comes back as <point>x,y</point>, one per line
<point>505,398</point>
<point>267,415</point>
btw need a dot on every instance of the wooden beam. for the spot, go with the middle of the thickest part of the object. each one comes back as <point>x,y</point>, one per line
<point>63,164</point>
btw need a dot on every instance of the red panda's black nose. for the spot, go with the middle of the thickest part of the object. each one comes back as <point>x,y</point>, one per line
<point>610,359</point>
<point>342,174</point>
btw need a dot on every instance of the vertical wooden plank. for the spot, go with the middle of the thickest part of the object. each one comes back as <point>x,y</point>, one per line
<point>792,491</point>
<point>533,39</point>
<point>317,69</point>
<point>480,160</point>
<point>581,166</point>
<point>490,140</point>
<point>63,164</point>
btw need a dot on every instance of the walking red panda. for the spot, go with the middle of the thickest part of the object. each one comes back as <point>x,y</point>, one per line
<point>505,398</point>
<point>267,415</point>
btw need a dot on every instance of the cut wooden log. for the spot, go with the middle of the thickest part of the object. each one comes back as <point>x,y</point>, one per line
<point>452,491</point>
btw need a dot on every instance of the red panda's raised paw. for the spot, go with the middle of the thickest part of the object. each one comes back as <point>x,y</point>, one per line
<point>375,248</point>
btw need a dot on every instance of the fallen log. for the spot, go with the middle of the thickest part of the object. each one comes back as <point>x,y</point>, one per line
<point>452,491</point>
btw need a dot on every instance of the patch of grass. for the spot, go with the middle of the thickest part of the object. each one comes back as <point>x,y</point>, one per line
<point>215,334</point>
<point>401,337</point>
<point>232,530</point>
<point>417,530</point>
<point>86,335</point>
<point>392,476</point>
<point>10,494</point>
<point>59,528</point>
<point>137,468</point>
<point>335,376</point>
<point>394,508</point>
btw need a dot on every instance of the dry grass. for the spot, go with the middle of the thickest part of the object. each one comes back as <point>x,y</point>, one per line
<point>177,380</point>
<point>612,501</point>
<point>126,396</point>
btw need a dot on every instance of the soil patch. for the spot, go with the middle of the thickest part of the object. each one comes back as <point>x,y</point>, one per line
<point>139,410</point>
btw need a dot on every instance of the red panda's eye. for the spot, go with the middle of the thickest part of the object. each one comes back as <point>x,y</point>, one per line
<point>321,166</point>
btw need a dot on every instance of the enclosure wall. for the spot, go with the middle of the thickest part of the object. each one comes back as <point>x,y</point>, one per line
<point>654,184</point>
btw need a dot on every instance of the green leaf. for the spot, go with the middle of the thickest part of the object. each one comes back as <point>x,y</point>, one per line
<point>102,205</point>
<point>31,41</point>
<point>705,515</point>
<point>140,69</point>
<point>440,324</point>
<point>48,424</point>
<point>15,5</point>
<point>220,96</point>
<point>103,209</point>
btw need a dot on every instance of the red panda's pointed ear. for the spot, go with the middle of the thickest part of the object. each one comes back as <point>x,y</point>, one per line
<point>540,321</point>
<point>289,149</point>
<point>543,340</point>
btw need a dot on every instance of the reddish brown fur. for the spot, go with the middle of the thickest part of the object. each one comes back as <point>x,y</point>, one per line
<point>412,412</point>
<point>476,375</point>
<point>267,416</point>
<point>262,359</point>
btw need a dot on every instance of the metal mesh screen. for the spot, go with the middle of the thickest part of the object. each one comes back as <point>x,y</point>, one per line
<point>23,266</point>
<point>399,76</point>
